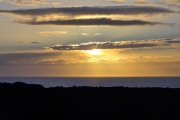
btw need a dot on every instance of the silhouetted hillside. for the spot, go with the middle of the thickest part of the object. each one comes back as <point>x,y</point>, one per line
<point>20,101</point>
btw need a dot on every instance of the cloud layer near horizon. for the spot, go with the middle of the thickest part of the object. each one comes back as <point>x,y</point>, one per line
<point>140,56</point>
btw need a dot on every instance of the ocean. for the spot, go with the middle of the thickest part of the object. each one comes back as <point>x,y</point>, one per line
<point>164,82</point>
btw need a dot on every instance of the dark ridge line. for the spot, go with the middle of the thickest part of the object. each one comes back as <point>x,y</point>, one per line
<point>20,101</point>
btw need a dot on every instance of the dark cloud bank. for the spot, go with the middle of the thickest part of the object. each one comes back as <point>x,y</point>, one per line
<point>105,45</point>
<point>98,21</point>
<point>118,45</point>
<point>77,11</point>
<point>34,42</point>
<point>106,10</point>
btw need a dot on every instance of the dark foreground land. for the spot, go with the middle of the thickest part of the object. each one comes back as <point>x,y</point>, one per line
<point>20,101</point>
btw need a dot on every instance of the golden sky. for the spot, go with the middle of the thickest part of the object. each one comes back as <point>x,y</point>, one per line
<point>89,38</point>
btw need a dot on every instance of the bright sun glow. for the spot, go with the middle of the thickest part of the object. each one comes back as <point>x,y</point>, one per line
<point>94,51</point>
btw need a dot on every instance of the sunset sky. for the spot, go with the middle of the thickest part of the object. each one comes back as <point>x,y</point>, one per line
<point>90,38</point>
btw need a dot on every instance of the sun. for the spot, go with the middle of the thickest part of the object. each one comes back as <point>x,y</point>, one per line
<point>94,52</point>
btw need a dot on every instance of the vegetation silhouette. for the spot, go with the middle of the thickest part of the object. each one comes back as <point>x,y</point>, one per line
<point>20,101</point>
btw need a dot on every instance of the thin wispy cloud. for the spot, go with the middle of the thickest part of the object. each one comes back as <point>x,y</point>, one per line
<point>28,2</point>
<point>48,33</point>
<point>84,34</point>
<point>97,34</point>
<point>118,1</point>
<point>25,58</point>
<point>56,3</point>
<point>170,2</point>
<point>34,42</point>
<point>173,2</point>
<point>140,1</point>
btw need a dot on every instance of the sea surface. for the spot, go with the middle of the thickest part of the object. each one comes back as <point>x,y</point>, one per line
<point>170,82</point>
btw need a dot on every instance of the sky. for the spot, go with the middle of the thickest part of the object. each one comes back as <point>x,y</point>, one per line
<point>82,38</point>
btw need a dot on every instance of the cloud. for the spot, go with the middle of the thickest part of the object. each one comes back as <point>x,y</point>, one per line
<point>170,2</point>
<point>100,45</point>
<point>42,57</point>
<point>28,2</point>
<point>118,1</point>
<point>73,33</point>
<point>34,42</point>
<point>164,63</point>
<point>90,22</point>
<point>97,34</point>
<point>25,58</point>
<point>120,44</point>
<point>84,34</point>
<point>140,2</point>
<point>56,3</point>
<point>48,33</point>
<point>51,62</point>
<point>173,42</point>
<point>173,2</point>
<point>79,15</point>
<point>106,10</point>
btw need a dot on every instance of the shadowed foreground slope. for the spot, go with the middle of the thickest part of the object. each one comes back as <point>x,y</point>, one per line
<point>20,101</point>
